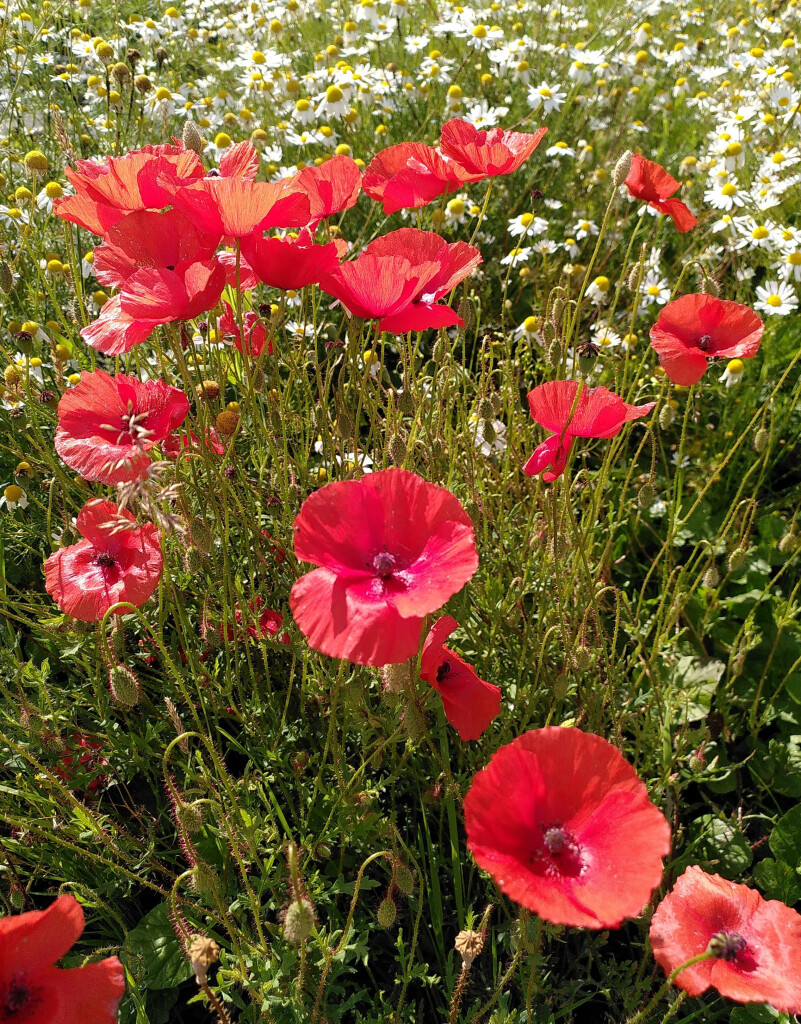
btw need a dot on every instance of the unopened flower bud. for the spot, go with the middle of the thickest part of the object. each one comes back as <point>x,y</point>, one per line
<point>634,276</point>
<point>193,560</point>
<point>667,416</point>
<point>205,879</point>
<point>645,495</point>
<point>6,277</point>
<point>582,658</point>
<point>554,353</point>
<point>191,137</point>
<point>711,576</point>
<point>414,721</point>
<point>396,677</point>
<point>465,311</point>
<point>124,686</point>
<point>403,878</point>
<point>190,817</point>
<point>406,403</point>
<point>788,543</point>
<point>201,536</point>
<point>397,449</point>
<point>489,432</point>
<point>485,410</point>
<point>710,287</point>
<point>387,912</point>
<point>761,440</point>
<point>736,559</point>
<point>622,168</point>
<point>299,920</point>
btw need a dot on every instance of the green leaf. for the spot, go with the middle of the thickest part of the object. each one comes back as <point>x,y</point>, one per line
<point>785,839</point>
<point>756,1013</point>
<point>721,846</point>
<point>158,950</point>
<point>778,881</point>
<point>695,681</point>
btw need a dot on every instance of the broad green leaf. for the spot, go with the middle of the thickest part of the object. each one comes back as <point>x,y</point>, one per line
<point>158,950</point>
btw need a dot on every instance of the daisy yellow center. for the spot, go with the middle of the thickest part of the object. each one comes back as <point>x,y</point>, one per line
<point>333,94</point>
<point>729,189</point>
<point>774,300</point>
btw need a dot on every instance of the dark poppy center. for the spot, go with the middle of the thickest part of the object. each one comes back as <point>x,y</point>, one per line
<point>444,671</point>
<point>727,946</point>
<point>105,559</point>
<point>18,999</point>
<point>384,564</point>
<point>704,342</point>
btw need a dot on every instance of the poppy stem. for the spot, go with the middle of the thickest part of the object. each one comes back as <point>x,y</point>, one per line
<point>706,955</point>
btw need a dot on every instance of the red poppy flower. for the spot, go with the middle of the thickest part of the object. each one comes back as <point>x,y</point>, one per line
<point>565,827</point>
<point>470,704</point>
<point>110,565</point>
<point>153,296</point>
<point>74,764</point>
<point>240,161</point>
<point>150,239</point>
<point>412,174</point>
<point>596,413</point>
<point>650,182</point>
<point>187,441</point>
<point>289,263</point>
<point>140,180</point>
<point>399,278</point>
<point>106,425</point>
<point>391,550</point>
<point>246,280</point>
<point>234,207</point>
<point>34,991</point>
<point>260,624</point>
<point>695,328</point>
<point>756,942</point>
<point>254,330</point>
<point>331,188</point>
<point>487,153</point>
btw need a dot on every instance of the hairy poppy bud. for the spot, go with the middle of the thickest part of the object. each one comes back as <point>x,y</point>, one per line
<point>645,495</point>
<point>736,559</point>
<point>667,416</point>
<point>124,686</point>
<point>6,277</point>
<point>711,576</point>
<point>406,403</point>
<point>634,276</point>
<point>397,449</point>
<point>190,817</point>
<point>299,920</point>
<point>205,879</point>
<point>582,658</point>
<point>489,433</point>
<point>553,354</point>
<point>465,311</point>
<point>761,440</point>
<point>710,287</point>
<point>191,137</point>
<point>396,677</point>
<point>485,410</point>
<point>788,543</point>
<point>193,560</point>
<point>414,721</point>
<point>387,912</point>
<point>403,878</point>
<point>622,168</point>
<point>201,536</point>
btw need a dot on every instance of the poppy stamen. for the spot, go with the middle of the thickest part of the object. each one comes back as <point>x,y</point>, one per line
<point>384,564</point>
<point>726,945</point>
<point>704,342</point>
<point>556,840</point>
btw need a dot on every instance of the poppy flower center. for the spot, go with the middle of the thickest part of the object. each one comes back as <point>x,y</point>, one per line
<point>105,559</point>
<point>443,671</point>
<point>17,1000</point>
<point>704,342</point>
<point>726,946</point>
<point>384,564</point>
<point>560,853</point>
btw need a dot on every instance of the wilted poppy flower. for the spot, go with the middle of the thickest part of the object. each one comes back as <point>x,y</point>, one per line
<point>596,413</point>
<point>470,704</point>
<point>153,296</point>
<point>391,548</point>
<point>650,182</point>
<point>565,827</point>
<point>330,188</point>
<point>150,239</point>
<point>109,566</point>
<point>696,328</point>
<point>253,329</point>
<point>106,425</point>
<point>400,277</point>
<point>289,263</point>
<point>756,943</point>
<point>34,991</point>
<point>412,174</point>
<point>487,153</point>
<point>140,180</point>
<point>234,207</point>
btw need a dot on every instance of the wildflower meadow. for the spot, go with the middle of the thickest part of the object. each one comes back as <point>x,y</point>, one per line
<point>400,485</point>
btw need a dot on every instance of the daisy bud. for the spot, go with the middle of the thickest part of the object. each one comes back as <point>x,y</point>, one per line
<point>191,137</point>
<point>193,561</point>
<point>645,495</point>
<point>622,168</point>
<point>201,536</point>
<point>761,440</point>
<point>203,953</point>
<point>387,912</point>
<point>124,686</point>
<point>397,450</point>
<point>788,543</point>
<point>6,277</point>
<point>485,410</point>
<point>469,945</point>
<point>403,878</point>
<point>711,576</point>
<point>396,677</point>
<point>736,559</point>
<point>226,423</point>
<point>208,390</point>
<point>299,920</point>
<point>667,416</point>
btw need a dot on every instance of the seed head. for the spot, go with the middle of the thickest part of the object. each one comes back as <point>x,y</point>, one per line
<point>203,953</point>
<point>469,945</point>
<point>622,168</point>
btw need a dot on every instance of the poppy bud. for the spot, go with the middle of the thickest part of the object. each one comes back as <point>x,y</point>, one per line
<point>736,559</point>
<point>205,880</point>
<point>322,851</point>
<point>118,642</point>
<point>587,355</point>
<point>667,416</point>
<point>788,543</point>
<point>396,677</point>
<point>406,403</point>
<point>468,945</point>
<point>465,311</point>
<point>201,536</point>
<point>645,495</point>
<point>403,878</point>
<point>190,817</point>
<point>711,576</point>
<point>473,509</point>
<point>489,433</point>
<point>203,953</point>
<point>299,920</point>
<point>485,410</point>
<point>761,440</point>
<point>710,287</point>
<point>191,137</point>
<point>193,561</point>
<point>582,658</point>
<point>124,686</point>
<point>387,912</point>
<point>6,277</point>
<point>622,168</point>
<point>415,722</point>
<point>397,450</point>
<point>554,353</point>
<point>209,390</point>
